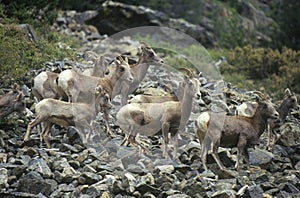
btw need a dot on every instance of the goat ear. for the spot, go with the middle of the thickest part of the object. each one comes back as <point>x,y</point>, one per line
<point>15,86</point>
<point>98,89</point>
<point>144,44</point>
<point>200,75</point>
<point>126,59</point>
<point>257,99</point>
<point>19,97</point>
<point>287,92</point>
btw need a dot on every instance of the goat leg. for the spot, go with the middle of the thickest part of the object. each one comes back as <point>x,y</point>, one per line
<point>205,146</point>
<point>32,124</point>
<point>216,156</point>
<point>125,142</point>
<point>45,134</point>
<point>165,132</point>
<point>247,157</point>
<point>242,142</point>
<point>175,143</point>
<point>269,137</point>
<point>106,117</point>
<point>124,94</point>
<point>131,139</point>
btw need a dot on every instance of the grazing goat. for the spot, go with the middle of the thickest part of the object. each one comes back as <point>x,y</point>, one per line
<point>138,71</point>
<point>218,129</point>
<point>11,102</point>
<point>289,102</point>
<point>50,111</point>
<point>149,118</point>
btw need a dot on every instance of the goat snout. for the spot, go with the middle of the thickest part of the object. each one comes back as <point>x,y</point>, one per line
<point>130,79</point>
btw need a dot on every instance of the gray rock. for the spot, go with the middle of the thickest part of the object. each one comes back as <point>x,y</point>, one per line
<point>165,169</point>
<point>255,191</point>
<point>260,157</point>
<point>89,178</point>
<point>3,178</point>
<point>39,165</point>
<point>34,183</point>
<point>60,164</point>
<point>134,16</point>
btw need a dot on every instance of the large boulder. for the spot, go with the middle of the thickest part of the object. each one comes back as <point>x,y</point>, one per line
<point>114,17</point>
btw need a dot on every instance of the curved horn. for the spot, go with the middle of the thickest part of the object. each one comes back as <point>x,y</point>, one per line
<point>187,71</point>
<point>261,95</point>
<point>119,58</point>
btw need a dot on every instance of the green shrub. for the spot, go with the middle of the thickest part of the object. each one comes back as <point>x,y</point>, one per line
<point>18,55</point>
<point>272,69</point>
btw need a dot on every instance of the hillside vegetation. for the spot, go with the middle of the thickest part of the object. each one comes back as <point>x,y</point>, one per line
<point>258,56</point>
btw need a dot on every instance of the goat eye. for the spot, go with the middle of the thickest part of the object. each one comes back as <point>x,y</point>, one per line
<point>265,105</point>
<point>122,69</point>
<point>293,100</point>
<point>151,54</point>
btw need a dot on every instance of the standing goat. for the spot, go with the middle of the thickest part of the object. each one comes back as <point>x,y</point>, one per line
<point>12,101</point>
<point>289,102</point>
<point>44,85</point>
<point>50,111</point>
<point>218,129</point>
<point>99,68</point>
<point>80,88</point>
<point>169,117</point>
<point>138,72</point>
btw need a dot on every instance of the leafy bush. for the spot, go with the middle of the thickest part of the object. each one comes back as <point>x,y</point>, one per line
<point>18,55</point>
<point>35,12</point>
<point>272,69</point>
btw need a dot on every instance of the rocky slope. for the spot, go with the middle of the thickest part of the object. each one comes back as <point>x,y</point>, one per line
<point>105,169</point>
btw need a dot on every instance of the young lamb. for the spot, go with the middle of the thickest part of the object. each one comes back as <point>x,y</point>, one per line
<point>150,118</point>
<point>50,111</point>
<point>218,129</point>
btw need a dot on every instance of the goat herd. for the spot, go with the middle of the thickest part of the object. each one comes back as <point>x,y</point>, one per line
<point>74,98</point>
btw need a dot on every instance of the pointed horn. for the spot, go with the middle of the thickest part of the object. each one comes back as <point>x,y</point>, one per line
<point>287,92</point>
<point>187,71</point>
